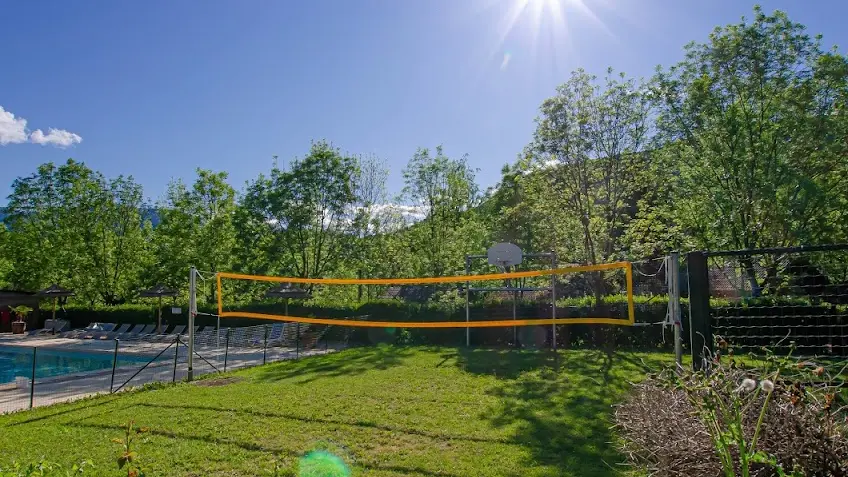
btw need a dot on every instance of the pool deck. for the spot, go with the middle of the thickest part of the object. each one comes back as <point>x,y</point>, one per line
<point>208,359</point>
<point>79,345</point>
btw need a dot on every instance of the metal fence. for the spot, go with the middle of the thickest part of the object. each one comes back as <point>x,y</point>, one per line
<point>779,299</point>
<point>51,369</point>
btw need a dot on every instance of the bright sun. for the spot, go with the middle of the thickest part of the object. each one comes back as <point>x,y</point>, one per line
<point>552,16</point>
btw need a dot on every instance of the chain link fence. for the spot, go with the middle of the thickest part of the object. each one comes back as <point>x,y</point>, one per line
<point>58,368</point>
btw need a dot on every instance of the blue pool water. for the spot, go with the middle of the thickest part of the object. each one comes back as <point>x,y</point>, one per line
<point>17,361</point>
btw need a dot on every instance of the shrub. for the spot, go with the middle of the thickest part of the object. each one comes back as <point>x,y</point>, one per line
<point>781,418</point>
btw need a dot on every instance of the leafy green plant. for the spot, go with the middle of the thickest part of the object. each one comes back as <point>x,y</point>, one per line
<point>21,311</point>
<point>44,469</point>
<point>128,458</point>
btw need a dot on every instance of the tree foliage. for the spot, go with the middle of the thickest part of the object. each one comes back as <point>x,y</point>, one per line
<point>590,142</point>
<point>445,191</point>
<point>299,218</point>
<point>756,121</point>
<point>742,144</point>
<point>196,229</point>
<point>71,225</point>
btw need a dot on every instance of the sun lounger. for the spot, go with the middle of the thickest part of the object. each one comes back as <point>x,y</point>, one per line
<point>50,327</point>
<point>115,333</point>
<point>178,330</point>
<point>99,329</point>
<point>77,332</point>
<point>275,336</point>
<point>132,333</point>
<point>290,336</point>
<point>142,333</point>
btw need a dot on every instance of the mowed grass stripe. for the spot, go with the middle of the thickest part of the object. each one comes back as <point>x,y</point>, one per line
<point>388,411</point>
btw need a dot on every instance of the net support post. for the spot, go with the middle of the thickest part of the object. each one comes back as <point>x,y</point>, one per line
<point>673,272</point>
<point>553,301</point>
<point>467,304</point>
<point>192,312</point>
<point>700,322</point>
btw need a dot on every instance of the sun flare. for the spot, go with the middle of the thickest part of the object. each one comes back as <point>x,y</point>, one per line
<point>544,18</point>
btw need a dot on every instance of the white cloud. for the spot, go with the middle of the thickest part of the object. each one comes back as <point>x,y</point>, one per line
<point>55,137</point>
<point>13,130</point>
<point>550,163</point>
<point>507,56</point>
<point>411,213</point>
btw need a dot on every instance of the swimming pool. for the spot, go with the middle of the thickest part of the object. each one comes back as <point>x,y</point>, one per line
<point>17,361</point>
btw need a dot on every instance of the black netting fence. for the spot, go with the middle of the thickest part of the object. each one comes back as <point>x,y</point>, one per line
<point>781,299</point>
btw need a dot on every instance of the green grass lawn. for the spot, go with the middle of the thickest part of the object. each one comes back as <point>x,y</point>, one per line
<point>387,411</point>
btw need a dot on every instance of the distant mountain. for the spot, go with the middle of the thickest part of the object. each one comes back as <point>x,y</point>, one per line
<point>149,212</point>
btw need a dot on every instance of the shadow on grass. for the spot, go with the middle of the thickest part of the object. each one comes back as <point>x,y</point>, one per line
<point>345,363</point>
<point>255,447</point>
<point>75,406</point>
<point>559,404</point>
<point>334,422</point>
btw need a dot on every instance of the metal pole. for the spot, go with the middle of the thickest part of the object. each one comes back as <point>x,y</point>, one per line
<point>265,346</point>
<point>514,314</point>
<point>467,305</point>
<point>297,350</point>
<point>673,271</point>
<point>176,357</point>
<point>700,324</point>
<point>32,381</point>
<point>114,366</point>
<point>553,300</point>
<point>227,350</point>
<point>53,331</point>
<point>192,312</point>
<point>159,318</point>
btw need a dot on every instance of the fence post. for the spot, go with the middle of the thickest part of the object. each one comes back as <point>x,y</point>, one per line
<point>227,349</point>
<point>297,349</point>
<point>553,300</point>
<point>673,277</point>
<point>700,323</point>
<point>265,346</point>
<point>32,381</point>
<point>176,357</point>
<point>114,366</point>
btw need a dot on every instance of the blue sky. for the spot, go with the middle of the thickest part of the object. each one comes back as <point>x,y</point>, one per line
<point>155,89</point>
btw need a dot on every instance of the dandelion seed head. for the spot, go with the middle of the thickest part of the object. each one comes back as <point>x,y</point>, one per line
<point>747,385</point>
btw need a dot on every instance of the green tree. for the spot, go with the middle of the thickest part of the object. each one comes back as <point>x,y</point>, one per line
<point>5,253</point>
<point>510,212</point>
<point>297,220</point>
<point>590,144</point>
<point>445,191</point>
<point>196,229</point>
<point>71,225</point>
<point>756,120</point>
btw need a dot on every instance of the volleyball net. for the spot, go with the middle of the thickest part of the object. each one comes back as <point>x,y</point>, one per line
<point>585,294</point>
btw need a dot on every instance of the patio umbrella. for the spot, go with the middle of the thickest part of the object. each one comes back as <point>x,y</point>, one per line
<point>158,292</point>
<point>55,292</point>
<point>286,291</point>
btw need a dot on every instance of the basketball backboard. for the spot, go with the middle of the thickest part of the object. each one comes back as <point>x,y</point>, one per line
<point>504,255</point>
